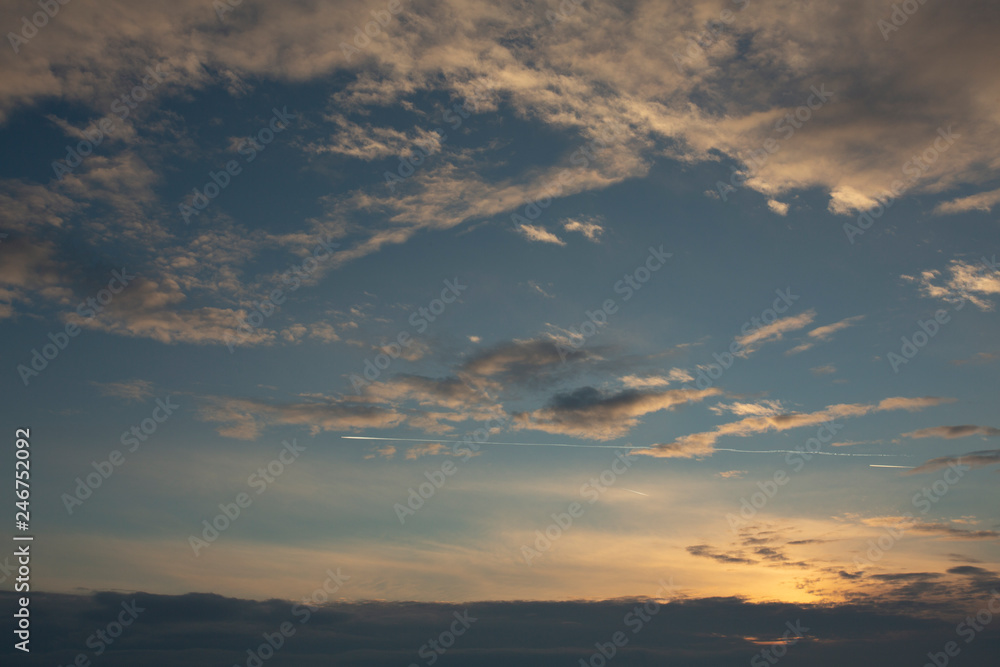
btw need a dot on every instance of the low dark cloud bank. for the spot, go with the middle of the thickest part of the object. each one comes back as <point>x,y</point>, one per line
<point>201,629</point>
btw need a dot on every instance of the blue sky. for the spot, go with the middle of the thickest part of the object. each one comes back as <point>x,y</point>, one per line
<point>569,153</point>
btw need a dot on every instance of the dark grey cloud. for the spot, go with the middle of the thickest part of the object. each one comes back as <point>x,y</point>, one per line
<point>705,551</point>
<point>590,413</point>
<point>202,630</point>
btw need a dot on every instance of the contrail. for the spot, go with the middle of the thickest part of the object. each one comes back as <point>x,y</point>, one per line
<point>875,465</point>
<point>491,442</point>
<point>639,492</point>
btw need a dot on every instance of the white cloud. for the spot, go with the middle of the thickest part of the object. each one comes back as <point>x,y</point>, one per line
<point>539,234</point>
<point>778,207</point>
<point>589,228</point>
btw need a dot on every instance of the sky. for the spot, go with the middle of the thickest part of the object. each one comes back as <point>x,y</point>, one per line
<point>505,302</point>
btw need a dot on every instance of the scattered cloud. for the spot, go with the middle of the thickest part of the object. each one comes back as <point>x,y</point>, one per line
<point>430,449</point>
<point>976,283</point>
<point>385,452</point>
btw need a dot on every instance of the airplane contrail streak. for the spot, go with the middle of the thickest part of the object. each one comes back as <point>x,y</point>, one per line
<point>491,442</point>
<point>875,465</point>
<point>639,492</point>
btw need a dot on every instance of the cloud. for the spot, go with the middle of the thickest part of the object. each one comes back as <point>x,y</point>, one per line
<point>371,143</point>
<point>535,287</point>
<point>823,370</point>
<point>912,404</point>
<point>703,444</point>
<point>448,392</point>
<point>774,331</point>
<point>778,207</point>
<point>385,452</point>
<point>522,359</point>
<point>978,358</point>
<point>504,633</point>
<point>625,76</point>
<point>246,419</point>
<point>705,551</point>
<point>947,530</point>
<point>731,474</point>
<point>965,281</point>
<point>129,390</point>
<point>973,459</point>
<point>539,234</point>
<point>324,332</point>
<point>825,333</point>
<point>590,229</point>
<point>590,413</point>
<point>648,382</point>
<point>430,449</point>
<point>982,201</point>
<point>552,81</point>
<point>761,408</point>
<point>951,432</point>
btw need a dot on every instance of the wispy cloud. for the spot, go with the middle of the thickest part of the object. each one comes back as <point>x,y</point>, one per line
<point>703,444</point>
<point>539,234</point>
<point>775,331</point>
<point>952,432</point>
<point>128,390</point>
